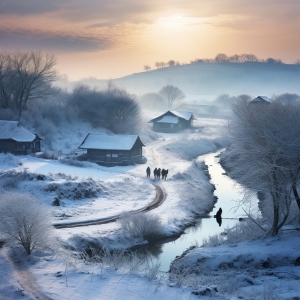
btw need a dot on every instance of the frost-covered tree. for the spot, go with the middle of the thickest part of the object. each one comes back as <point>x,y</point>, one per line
<point>265,152</point>
<point>152,101</point>
<point>171,93</point>
<point>287,98</point>
<point>112,108</point>
<point>24,220</point>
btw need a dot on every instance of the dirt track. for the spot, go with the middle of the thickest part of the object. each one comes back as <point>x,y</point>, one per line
<point>159,199</point>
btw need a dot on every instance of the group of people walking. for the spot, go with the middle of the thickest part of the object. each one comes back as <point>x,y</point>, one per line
<point>157,173</point>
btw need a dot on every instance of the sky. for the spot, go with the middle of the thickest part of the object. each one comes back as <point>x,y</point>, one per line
<point>109,39</point>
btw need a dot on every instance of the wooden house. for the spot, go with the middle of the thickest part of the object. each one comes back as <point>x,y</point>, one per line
<point>15,139</point>
<point>261,100</point>
<point>111,150</point>
<point>173,121</point>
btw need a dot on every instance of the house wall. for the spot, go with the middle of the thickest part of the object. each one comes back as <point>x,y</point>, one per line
<point>11,146</point>
<point>171,128</point>
<point>115,157</point>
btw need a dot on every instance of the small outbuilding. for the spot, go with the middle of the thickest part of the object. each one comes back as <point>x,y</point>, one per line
<point>15,139</point>
<point>110,150</point>
<point>261,100</point>
<point>173,121</point>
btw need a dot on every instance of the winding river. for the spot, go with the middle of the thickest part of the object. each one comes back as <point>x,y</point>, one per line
<point>227,192</point>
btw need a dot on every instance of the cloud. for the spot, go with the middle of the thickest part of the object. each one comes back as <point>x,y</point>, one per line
<point>24,7</point>
<point>110,12</point>
<point>53,41</point>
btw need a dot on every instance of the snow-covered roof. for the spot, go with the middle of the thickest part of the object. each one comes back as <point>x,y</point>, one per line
<point>168,119</point>
<point>109,142</point>
<point>261,99</point>
<point>11,130</point>
<point>186,115</point>
<point>182,114</point>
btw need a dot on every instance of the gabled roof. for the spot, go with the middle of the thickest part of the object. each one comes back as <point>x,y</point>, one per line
<point>11,130</point>
<point>167,116</point>
<point>263,99</point>
<point>109,142</point>
<point>168,119</point>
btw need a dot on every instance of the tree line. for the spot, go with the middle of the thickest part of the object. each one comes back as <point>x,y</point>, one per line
<point>27,81</point>
<point>220,58</point>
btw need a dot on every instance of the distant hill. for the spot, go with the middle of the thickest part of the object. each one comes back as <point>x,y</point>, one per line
<point>214,79</point>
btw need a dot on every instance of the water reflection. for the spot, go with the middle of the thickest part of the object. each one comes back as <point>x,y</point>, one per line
<point>195,228</point>
<point>151,250</point>
<point>227,192</point>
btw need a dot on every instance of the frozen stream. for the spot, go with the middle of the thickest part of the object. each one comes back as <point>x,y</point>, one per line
<point>227,192</point>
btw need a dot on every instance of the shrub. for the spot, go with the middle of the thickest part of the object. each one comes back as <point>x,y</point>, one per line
<point>24,220</point>
<point>143,225</point>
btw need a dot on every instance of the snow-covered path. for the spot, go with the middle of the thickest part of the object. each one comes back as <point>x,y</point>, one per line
<point>22,273</point>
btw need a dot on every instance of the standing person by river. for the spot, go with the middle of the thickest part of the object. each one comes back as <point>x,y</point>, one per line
<point>218,216</point>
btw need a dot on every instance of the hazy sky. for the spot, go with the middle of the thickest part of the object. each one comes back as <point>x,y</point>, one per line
<point>113,38</point>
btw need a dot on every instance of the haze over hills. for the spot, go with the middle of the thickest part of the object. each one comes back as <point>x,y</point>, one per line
<point>213,79</point>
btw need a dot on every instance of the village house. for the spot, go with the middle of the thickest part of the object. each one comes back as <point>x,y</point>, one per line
<point>110,150</point>
<point>261,100</point>
<point>173,121</point>
<point>15,139</point>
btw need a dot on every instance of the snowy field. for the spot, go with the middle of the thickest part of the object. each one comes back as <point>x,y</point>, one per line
<point>89,192</point>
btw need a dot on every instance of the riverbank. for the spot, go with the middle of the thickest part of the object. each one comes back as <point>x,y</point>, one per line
<point>188,192</point>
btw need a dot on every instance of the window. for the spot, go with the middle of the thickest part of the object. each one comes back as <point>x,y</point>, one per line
<point>115,153</point>
<point>99,152</point>
<point>20,146</point>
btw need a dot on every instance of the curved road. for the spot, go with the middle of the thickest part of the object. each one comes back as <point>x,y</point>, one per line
<point>159,199</point>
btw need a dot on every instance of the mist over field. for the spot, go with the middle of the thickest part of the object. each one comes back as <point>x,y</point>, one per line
<point>252,78</point>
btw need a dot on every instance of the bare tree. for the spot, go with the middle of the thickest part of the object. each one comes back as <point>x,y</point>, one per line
<point>157,65</point>
<point>147,67</point>
<point>25,76</point>
<point>265,153</point>
<point>171,63</point>
<point>251,57</point>
<point>112,108</point>
<point>24,220</point>
<point>287,98</point>
<point>6,81</point>
<point>120,113</point>
<point>271,60</point>
<point>234,58</point>
<point>221,57</point>
<point>163,64</point>
<point>171,93</point>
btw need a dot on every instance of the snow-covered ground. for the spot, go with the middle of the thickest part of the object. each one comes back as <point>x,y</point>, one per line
<point>92,191</point>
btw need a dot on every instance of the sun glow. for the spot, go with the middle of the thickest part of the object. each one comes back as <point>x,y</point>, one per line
<point>173,23</point>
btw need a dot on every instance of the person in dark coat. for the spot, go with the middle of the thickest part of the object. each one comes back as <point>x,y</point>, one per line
<point>155,173</point>
<point>148,171</point>
<point>164,174</point>
<point>158,173</point>
<point>218,216</point>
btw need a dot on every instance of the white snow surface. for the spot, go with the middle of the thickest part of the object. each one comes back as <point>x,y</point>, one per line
<point>108,142</point>
<point>11,130</point>
<point>182,114</point>
<point>235,271</point>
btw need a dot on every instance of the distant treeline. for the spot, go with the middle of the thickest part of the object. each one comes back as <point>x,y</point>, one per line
<point>221,58</point>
